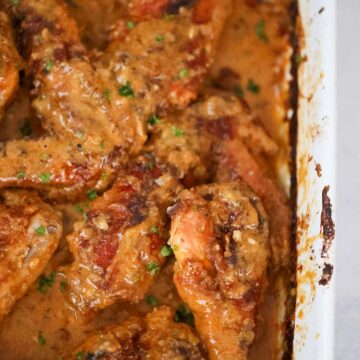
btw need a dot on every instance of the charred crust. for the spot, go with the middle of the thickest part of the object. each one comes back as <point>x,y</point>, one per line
<point>327,224</point>
<point>326,274</point>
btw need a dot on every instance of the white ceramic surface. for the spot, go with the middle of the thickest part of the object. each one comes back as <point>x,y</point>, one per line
<point>314,331</point>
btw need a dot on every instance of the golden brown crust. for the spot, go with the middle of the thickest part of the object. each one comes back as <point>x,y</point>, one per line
<point>155,336</point>
<point>29,235</point>
<point>219,234</point>
<point>95,114</point>
<point>117,249</point>
<point>10,64</point>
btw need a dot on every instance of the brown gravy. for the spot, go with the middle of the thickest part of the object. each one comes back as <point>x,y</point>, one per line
<point>255,46</point>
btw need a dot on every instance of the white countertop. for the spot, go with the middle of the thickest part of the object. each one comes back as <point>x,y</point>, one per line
<point>347,344</point>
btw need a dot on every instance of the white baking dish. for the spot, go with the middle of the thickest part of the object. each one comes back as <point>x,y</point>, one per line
<point>314,318</point>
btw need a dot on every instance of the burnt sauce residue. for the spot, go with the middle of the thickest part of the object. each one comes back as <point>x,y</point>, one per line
<point>252,62</point>
<point>327,227</point>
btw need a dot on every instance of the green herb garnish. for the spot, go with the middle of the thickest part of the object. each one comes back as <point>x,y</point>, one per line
<point>260,31</point>
<point>41,230</point>
<point>15,2</point>
<point>153,268</point>
<point>106,94</point>
<point>92,195</point>
<point>154,230</point>
<point>183,73</point>
<point>154,119</point>
<point>151,300</point>
<point>239,91</point>
<point>80,355</point>
<point>177,132</point>
<point>46,282</point>
<point>126,90</point>
<point>63,286</point>
<point>26,128</point>
<point>41,339</point>
<point>21,175</point>
<point>183,314</point>
<point>159,38</point>
<point>131,25</point>
<point>253,87</point>
<point>166,251</point>
<point>49,64</point>
<point>45,177</point>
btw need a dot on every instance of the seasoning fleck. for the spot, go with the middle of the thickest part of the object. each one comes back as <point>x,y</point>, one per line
<point>253,87</point>
<point>260,31</point>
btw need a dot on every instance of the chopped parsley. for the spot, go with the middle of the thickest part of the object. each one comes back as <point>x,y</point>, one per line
<point>21,175</point>
<point>46,282</point>
<point>106,94</point>
<point>49,64</point>
<point>102,144</point>
<point>154,230</point>
<point>41,230</point>
<point>253,87</point>
<point>45,177</point>
<point>183,314</point>
<point>159,38</point>
<point>126,90</point>
<point>15,2</point>
<point>41,339</point>
<point>92,195</point>
<point>239,91</point>
<point>131,25</point>
<point>166,251</point>
<point>177,132</point>
<point>260,31</point>
<point>80,355</point>
<point>183,73</point>
<point>63,286</point>
<point>153,268</point>
<point>154,119</point>
<point>26,128</point>
<point>151,300</point>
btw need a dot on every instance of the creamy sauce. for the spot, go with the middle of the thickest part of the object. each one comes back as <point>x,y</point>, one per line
<point>255,46</point>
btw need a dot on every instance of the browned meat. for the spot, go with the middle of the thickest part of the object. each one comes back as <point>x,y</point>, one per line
<point>155,337</point>
<point>218,139</point>
<point>187,141</point>
<point>219,234</point>
<point>95,117</point>
<point>117,247</point>
<point>29,234</point>
<point>10,64</point>
<point>237,162</point>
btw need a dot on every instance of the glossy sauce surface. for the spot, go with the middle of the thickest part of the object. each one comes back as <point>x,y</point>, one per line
<point>255,52</point>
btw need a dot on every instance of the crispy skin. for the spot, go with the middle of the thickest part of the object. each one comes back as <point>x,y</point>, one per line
<point>219,234</point>
<point>95,115</point>
<point>117,248</point>
<point>155,337</point>
<point>85,133</point>
<point>174,65</point>
<point>187,141</point>
<point>221,140</point>
<point>10,63</point>
<point>236,162</point>
<point>23,252</point>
